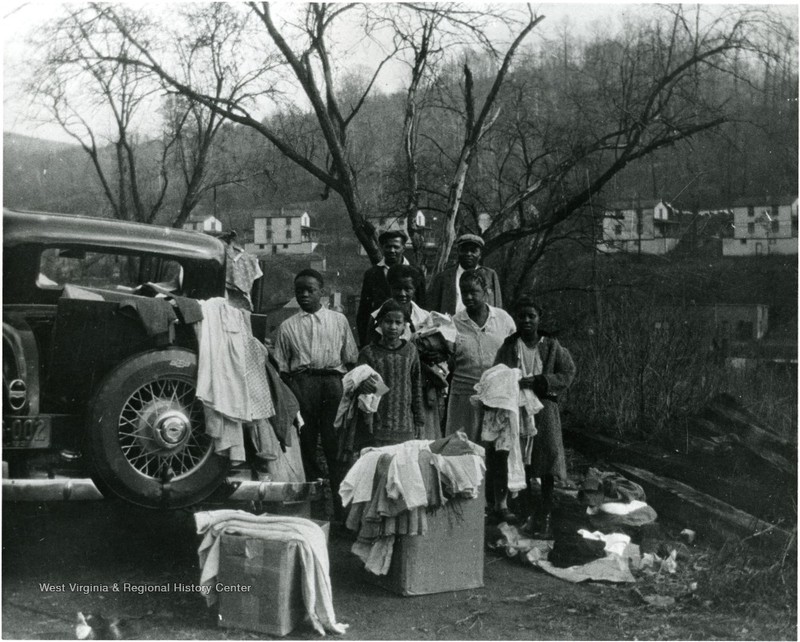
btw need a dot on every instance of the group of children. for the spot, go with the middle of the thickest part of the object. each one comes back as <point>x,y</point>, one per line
<point>409,350</point>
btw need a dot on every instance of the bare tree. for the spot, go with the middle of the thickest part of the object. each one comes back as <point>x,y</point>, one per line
<point>617,100</point>
<point>305,57</point>
<point>638,95</point>
<point>73,87</point>
<point>428,32</point>
<point>564,126</point>
<point>305,52</point>
<point>85,73</point>
<point>476,123</point>
<point>201,157</point>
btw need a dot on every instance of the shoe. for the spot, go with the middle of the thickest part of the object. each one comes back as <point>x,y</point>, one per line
<point>505,515</point>
<point>542,528</point>
<point>527,528</point>
<point>242,470</point>
<point>565,484</point>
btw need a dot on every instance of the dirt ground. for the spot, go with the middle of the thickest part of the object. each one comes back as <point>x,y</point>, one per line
<point>105,542</point>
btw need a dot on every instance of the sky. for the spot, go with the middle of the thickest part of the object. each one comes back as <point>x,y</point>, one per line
<point>20,18</point>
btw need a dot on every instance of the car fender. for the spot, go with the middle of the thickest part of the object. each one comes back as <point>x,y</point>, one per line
<point>20,367</point>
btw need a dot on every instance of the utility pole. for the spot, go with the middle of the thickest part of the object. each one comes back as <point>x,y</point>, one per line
<point>638,211</point>
<point>598,312</point>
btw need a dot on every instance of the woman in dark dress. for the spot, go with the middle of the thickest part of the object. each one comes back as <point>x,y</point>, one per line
<point>548,370</point>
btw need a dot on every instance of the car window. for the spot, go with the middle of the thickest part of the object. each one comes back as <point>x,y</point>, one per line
<point>62,266</point>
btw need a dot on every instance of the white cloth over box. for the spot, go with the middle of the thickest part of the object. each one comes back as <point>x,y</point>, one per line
<point>312,546</point>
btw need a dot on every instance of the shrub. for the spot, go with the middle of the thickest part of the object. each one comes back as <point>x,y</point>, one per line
<point>645,368</point>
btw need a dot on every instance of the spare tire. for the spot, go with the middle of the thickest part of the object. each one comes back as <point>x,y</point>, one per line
<point>146,434</point>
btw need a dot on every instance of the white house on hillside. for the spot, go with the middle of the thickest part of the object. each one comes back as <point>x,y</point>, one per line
<point>644,227</point>
<point>283,232</point>
<point>203,224</point>
<point>384,223</point>
<point>763,226</point>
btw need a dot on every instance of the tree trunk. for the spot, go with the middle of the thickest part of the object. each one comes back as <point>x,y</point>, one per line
<point>448,235</point>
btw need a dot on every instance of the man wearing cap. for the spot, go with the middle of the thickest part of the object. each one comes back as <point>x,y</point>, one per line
<point>375,288</point>
<point>444,295</point>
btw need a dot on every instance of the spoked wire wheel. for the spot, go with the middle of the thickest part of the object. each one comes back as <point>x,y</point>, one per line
<point>146,432</point>
<point>161,429</point>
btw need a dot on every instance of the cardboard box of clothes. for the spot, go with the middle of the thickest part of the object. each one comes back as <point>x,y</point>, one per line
<point>448,558</point>
<point>272,600</point>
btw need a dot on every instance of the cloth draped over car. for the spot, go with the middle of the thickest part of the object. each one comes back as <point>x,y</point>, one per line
<point>232,381</point>
<point>241,272</point>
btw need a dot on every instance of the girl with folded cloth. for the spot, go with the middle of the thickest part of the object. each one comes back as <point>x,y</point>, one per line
<point>433,352</point>
<point>481,331</point>
<point>400,415</point>
<point>548,370</point>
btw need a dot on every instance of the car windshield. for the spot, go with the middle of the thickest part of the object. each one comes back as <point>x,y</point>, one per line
<point>108,271</point>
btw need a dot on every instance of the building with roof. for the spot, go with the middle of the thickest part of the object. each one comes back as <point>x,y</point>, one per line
<point>640,226</point>
<point>385,222</point>
<point>746,227</point>
<point>763,226</point>
<point>203,223</point>
<point>283,231</point>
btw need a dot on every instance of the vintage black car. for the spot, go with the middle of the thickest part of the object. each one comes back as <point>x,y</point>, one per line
<point>87,389</point>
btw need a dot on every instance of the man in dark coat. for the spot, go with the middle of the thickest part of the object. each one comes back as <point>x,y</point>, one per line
<point>444,296</point>
<point>375,288</point>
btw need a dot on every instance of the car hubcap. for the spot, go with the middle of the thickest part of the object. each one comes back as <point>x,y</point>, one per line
<point>169,427</point>
<point>161,427</point>
<point>173,429</point>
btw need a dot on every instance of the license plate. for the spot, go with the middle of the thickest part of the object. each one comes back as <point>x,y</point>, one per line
<point>26,432</point>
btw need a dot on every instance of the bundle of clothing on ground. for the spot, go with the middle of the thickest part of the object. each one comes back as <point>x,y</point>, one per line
<point>614,502</point>
<point>592,555</point>
<point>574,557</point>
<point>615,509</point>
<point>391,489</point>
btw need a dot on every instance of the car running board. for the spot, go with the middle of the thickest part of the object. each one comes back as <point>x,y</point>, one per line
<point>232,490</point>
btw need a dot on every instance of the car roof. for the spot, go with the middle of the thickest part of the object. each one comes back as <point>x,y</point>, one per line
<point>52,229</point>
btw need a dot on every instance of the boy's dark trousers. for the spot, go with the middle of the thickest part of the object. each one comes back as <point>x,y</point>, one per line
<point>318,392</point>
